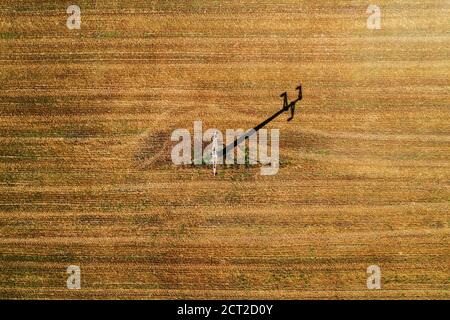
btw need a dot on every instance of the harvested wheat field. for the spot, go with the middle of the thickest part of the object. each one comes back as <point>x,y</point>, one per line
<point>86,176</point>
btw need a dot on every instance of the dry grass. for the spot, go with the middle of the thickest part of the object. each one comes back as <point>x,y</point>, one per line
<point>85,177</point>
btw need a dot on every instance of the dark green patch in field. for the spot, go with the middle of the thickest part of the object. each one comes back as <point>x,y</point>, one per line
<point>107,35</point>
<point>96,220</point>
<point>19,151</point>
<point>9,35</point>
<point>148,220</point>
<point>241,281</point>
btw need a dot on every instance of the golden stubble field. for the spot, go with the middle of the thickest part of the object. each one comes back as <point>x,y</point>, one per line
<point>85,171</point>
